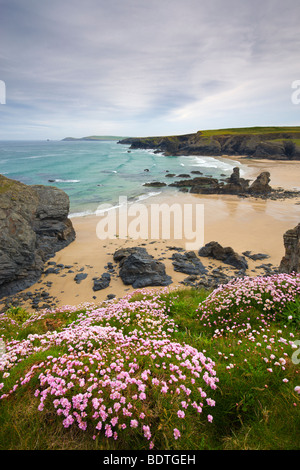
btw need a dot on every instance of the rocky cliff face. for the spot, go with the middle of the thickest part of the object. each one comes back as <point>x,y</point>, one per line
<point>278,145</point>
<point>34,225</point>
<point>291,261</point>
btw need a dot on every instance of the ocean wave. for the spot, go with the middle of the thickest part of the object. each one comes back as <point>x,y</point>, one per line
<point>81,214</point>
<point>33,157</point>
<point>58,180</point>
<point>146,196</point>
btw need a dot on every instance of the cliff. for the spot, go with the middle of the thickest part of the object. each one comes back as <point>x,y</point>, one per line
<point>291,260</point>
<point>34,225</point>
<point>279,143</point>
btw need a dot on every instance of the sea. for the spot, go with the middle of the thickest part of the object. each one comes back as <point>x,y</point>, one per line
<point>93,173</point>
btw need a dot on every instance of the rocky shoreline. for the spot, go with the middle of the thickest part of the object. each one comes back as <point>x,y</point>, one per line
<point>138,269</point>
<point>234,185</point>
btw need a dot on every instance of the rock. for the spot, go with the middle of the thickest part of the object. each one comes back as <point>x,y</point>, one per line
<point>188,263</point>
<point>226,255</point>
<point>111,296</point>
<point>123,253</point>
<point>80,277</point>
<point>102,283</point>
<point>155,184</point>
<point>139,269</point>
<point>34,225</point>
<point>255,257</point>
<point>199,185</point>
<point>261,184</point>
<point>235,184</point>
<point>291,260</point>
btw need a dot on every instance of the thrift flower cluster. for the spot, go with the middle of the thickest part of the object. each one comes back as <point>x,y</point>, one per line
<point>227,307</point>
<point>113,369</point>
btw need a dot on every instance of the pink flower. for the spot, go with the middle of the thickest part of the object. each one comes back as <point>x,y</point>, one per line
<point>176,433</point>
<point>180,414</point>
<point>134,423</point>
<point>210,418</point>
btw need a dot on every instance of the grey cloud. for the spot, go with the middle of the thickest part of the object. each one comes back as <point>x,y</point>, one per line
<point>132,60</point>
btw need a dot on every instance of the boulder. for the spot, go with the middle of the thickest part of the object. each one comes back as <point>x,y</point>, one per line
<point>139,269</point>
<point>80,277</point>
<point>261,184</point>
<point>188,263</point>
<point>34,225</point>
<point>235,184</point>
<point>102,282</point>
<point>291,260</point>
<point>227,255</point>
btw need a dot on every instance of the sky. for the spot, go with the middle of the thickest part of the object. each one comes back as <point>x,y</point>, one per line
<point>146,67</point>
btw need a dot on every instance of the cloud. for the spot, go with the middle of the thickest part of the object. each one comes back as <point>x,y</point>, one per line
<point>139,67</point>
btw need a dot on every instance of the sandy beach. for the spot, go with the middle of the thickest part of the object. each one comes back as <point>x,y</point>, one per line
<point>245,224</point>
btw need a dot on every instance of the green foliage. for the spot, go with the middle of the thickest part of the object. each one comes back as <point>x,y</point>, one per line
<point>256,405</point>
<point>18,314</point>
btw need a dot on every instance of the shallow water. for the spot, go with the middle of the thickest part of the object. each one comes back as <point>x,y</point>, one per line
<point>93,173</point>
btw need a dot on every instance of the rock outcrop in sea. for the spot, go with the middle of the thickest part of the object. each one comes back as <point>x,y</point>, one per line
<point>34,225</point>
<point>291,260</point>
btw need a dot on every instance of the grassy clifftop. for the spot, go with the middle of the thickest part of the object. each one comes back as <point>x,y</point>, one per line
<point>280,143</point>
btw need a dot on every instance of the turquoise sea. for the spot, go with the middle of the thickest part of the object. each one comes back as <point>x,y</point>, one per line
<point>93,173</point>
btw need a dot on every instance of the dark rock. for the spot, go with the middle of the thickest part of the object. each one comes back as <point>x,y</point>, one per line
<point>291,260</point>
<point>102,282</point>
<point>255,257</point>
<point>155,184</point>
<point>34,225</point>
<point>120,255</point>
<point>226,255</point>
<point>111,296</point>
<point>188,263</point>
<point>139,269</point>
<point>80,277</point>
<point>235,184</point>
<point>52,271</point>
<point>261,184</point>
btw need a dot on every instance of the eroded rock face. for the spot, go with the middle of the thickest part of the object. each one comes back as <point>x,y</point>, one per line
<point>34,225</point>
<point>291,260</point>
<point>261,184</point>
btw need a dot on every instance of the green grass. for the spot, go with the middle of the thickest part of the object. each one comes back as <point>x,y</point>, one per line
<point>250,130</point>
<point>255,409</point>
